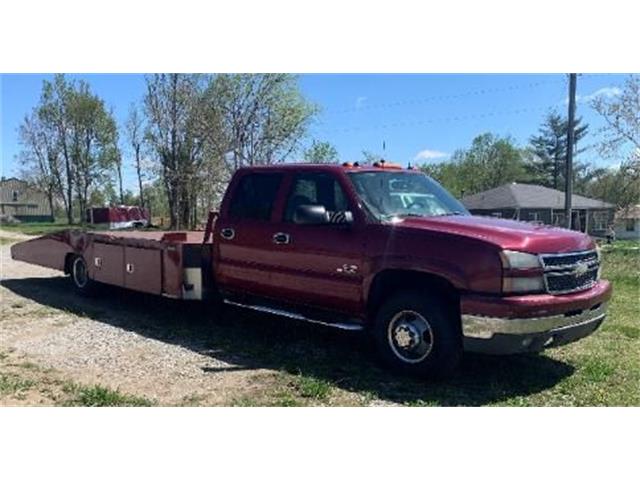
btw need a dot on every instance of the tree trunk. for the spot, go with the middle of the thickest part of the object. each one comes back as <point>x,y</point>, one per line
<point>139,172</point>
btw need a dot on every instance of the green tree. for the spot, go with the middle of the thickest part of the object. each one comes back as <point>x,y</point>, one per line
<point>261,117</point>
<point>321,152</point>
<point>489,162</point>
<point>547,164</point>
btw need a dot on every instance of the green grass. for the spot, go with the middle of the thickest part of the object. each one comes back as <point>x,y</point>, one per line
<point>98,396</point>
<point>11,384</point>
<point>36,228</point>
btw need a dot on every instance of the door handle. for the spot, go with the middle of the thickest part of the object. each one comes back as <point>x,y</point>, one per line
<point>281,238</point>
<point>228,233</point>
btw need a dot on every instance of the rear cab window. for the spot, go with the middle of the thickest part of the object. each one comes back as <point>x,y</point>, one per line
<point>255,196</point>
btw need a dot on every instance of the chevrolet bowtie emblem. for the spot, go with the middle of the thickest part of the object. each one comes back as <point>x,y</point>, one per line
<point>349,269</point>
<point>580,269</point>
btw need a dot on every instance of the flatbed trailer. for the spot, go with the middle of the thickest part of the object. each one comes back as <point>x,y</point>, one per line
<point>159,263</point>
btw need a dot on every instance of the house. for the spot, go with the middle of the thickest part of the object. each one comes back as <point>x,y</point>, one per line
<point>627,223</point>
<point>23,202</point>
<point>534,203</point>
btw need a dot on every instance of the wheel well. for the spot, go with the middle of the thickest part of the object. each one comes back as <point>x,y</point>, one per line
<point>68,261</point>
<point>387,282</point>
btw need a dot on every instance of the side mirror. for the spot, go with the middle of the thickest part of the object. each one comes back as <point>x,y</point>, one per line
<point>311,215</point>
<point>318,215</point>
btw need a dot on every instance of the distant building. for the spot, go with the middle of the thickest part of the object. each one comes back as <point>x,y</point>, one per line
<point>23,202</point>
<point>627,223</point>
<point>535,203</point>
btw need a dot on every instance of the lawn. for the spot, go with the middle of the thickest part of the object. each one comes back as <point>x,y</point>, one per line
<point>37,228</point>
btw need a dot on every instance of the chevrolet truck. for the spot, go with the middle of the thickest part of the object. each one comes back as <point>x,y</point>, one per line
<point>376,248</point>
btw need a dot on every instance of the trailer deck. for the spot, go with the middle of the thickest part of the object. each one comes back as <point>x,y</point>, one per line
<point>160,263</point>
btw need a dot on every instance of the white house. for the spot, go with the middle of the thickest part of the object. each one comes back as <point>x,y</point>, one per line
<point>627,223</point>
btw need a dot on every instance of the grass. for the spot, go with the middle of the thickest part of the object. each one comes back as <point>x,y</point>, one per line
<point>98,396</point>
<point>11,384</point>
<point>37,228</point>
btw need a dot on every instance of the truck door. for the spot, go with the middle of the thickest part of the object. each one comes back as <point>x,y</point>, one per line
<point>319,265</point>
<point>243,243</point>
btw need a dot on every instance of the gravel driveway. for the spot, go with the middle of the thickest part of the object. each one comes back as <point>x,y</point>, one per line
<point>163,350</point>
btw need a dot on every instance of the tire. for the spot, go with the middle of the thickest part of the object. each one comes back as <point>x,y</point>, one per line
<point>415,333</point>
<point>79,274</point>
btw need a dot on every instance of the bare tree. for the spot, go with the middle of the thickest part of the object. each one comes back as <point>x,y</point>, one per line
<point>40,156</point>
<point>264,116</point>
<point>135,138</point>
<point>174,133</point>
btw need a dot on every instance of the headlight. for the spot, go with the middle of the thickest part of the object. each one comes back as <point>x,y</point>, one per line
<point>521,272</point>
<point>519,260</point>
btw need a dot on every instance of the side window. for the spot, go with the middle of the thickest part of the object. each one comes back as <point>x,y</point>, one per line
<point>254,196</point>
<point>315,189</point>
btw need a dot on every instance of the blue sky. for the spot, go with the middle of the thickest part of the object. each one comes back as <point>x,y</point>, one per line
<point>420,118</point>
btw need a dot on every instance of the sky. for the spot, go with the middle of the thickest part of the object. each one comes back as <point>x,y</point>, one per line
<point>418,118</point>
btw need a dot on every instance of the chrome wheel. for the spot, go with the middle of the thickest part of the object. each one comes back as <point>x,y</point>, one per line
<point>79,271</point>
<point>410,336</point>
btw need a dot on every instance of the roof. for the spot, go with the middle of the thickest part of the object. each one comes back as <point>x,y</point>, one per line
<point>632,211</point>
<point>522,195</point>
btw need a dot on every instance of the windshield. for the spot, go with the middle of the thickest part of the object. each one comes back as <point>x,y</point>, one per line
<point>398,194</point>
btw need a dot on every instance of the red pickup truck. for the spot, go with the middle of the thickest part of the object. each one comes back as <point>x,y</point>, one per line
<point>375,248</point>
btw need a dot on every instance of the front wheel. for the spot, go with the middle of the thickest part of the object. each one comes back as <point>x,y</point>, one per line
<point>415,333</point>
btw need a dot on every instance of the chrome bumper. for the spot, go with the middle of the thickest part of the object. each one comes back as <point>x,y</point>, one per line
<point>513,335</point>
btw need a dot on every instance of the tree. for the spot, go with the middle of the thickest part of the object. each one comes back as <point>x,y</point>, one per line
<point>321,152</point>
<point>490,162</point>
<point>175,132</point>
<point>93,142</point>
<point>262,116</point>
<point>53,113</point>
<point>621,142</point>
<point>69,143</point>
<point>549,149</point>
<point>40,157</point>
<point>135,136</point>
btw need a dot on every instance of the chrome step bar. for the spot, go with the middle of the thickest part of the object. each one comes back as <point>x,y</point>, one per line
<point>296,316</point>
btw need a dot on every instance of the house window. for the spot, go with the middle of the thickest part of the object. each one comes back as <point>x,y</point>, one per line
<point>600,220</point>
<point>631,224</point>
<point>533,216</point>
<point>496,214</point>
<point>14,196</point>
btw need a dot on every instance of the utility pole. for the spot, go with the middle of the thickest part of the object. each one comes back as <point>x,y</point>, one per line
<point>568,185</point>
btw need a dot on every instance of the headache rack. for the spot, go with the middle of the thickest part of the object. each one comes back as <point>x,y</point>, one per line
<point>570,272</point>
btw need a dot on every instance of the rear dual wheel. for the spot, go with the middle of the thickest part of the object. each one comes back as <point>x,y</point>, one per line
<point>415,333</point>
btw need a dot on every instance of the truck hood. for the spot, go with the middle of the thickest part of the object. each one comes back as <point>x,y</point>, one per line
<point>506,234</point>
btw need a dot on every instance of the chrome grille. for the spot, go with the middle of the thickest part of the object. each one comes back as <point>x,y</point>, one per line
<point>570,272</point>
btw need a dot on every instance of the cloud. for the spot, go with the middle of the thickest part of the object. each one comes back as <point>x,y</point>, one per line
<point>429,155</point>
<point>360,101</point>
<point>606,92</point>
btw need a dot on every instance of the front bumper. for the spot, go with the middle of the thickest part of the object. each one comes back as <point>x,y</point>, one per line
<point>562,320</point>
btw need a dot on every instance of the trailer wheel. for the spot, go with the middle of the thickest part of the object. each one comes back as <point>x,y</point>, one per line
<point>80,277</point>
<point>415,333</point>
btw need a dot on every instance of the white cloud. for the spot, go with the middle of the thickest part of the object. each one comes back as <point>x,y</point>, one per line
<point>360,101</point>
<point>607,92</point>
<point>429,155</point>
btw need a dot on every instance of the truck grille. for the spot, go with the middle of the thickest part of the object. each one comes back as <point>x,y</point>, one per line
<point>570,272</point>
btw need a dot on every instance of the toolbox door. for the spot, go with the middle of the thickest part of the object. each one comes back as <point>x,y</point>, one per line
<point>143,270</point>
<point>107,264</point>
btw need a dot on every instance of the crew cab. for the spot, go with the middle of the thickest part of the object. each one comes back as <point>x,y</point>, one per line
<point>376,248</point>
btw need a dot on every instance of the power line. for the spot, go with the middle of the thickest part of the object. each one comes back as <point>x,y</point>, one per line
<point>457,118</point>
<point>415,101</point>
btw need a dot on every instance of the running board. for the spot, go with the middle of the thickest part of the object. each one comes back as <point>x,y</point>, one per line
<point>296,316</point>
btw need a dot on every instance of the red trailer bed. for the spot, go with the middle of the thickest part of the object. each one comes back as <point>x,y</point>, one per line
<point>161,263</point>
